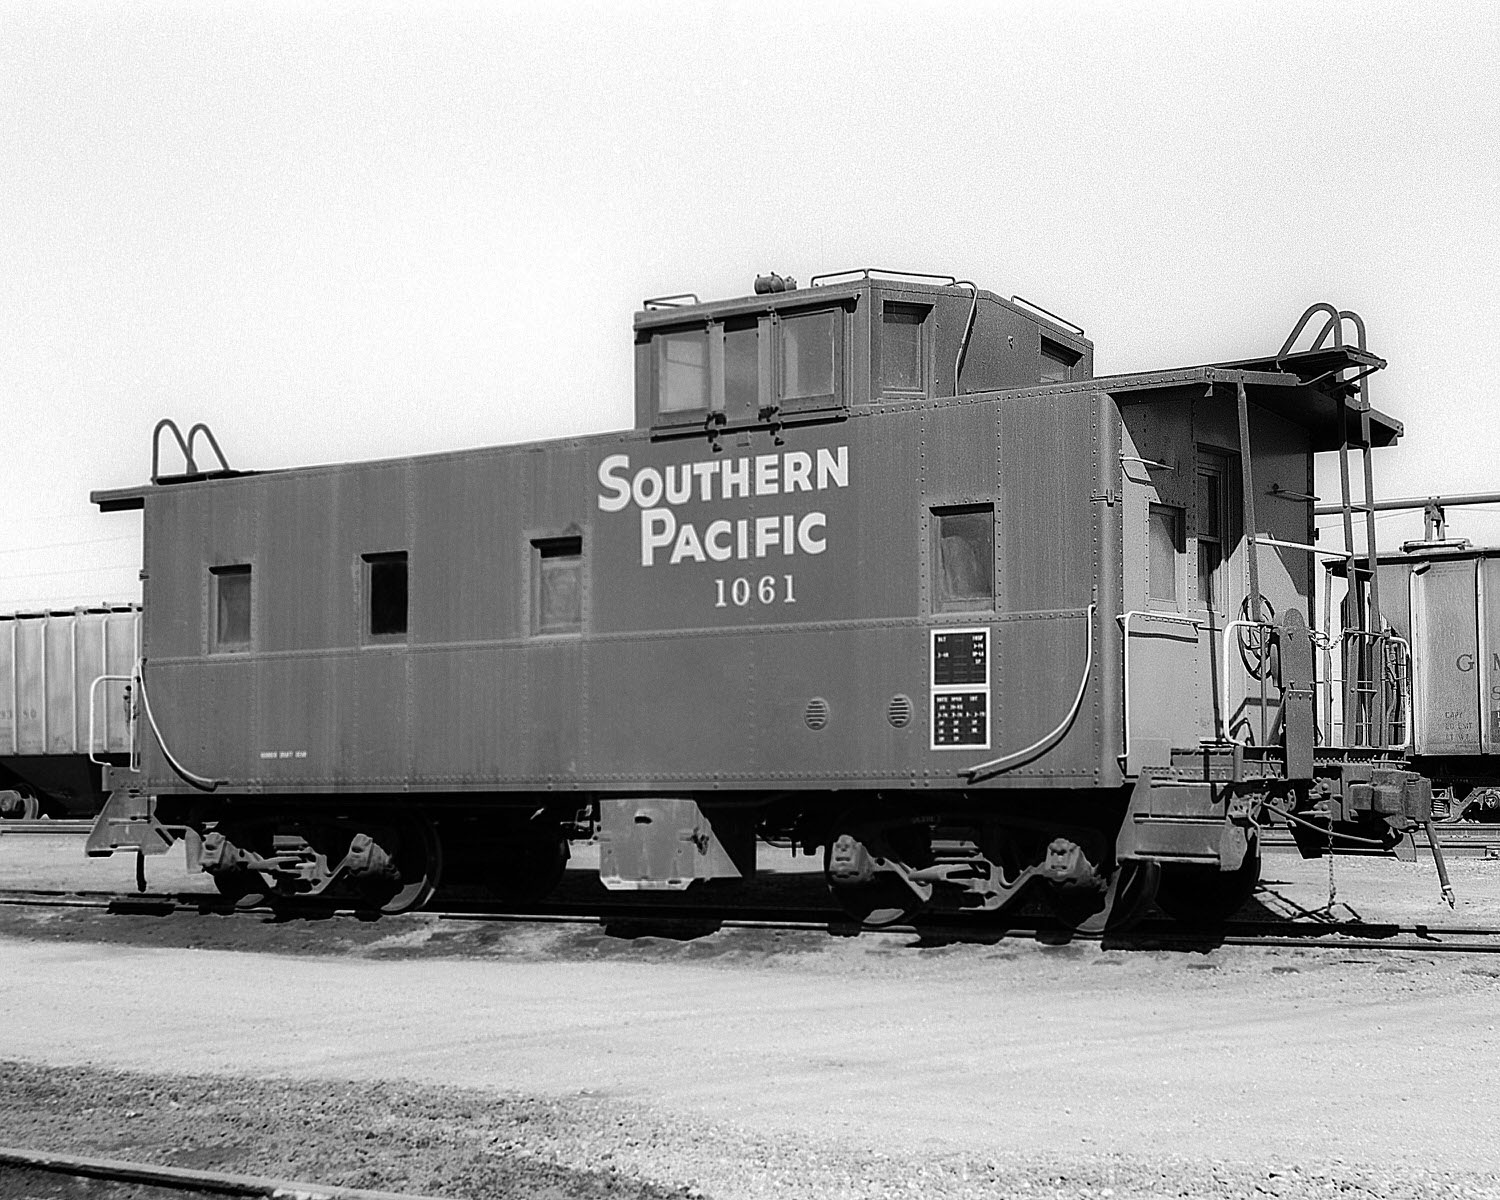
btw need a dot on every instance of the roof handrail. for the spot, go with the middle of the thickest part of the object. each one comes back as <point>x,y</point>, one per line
<point>185,444</point>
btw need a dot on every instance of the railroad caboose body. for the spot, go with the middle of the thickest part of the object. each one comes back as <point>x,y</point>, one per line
<point>882,567</point>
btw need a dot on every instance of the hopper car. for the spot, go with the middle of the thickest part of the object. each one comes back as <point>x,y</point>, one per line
<point>882,568</point>
<point>64,713</point>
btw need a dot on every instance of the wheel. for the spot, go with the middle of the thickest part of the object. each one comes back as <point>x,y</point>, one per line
<point>242,887</point>
<point>873,897</point>
<point>528,864</point>
<point>1202,896</point>
<point>418,860</point>
<point>1114,908</point>
<point>16,807</point>
<point>879,904</point>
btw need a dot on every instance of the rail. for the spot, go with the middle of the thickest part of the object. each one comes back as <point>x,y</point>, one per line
<point>185,1179</point>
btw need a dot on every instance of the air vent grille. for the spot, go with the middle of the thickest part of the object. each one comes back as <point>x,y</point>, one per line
<point>899,711</point>
<point>816,715</point>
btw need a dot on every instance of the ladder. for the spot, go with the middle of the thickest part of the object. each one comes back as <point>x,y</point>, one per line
<point>1365,698</point>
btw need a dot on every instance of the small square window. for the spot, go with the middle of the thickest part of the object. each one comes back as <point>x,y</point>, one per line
<point>901,349</point>
<point>231,601</point>
<point>682,371</point>
<point>963,559</point>
<point>809,354</point>
<point>385,596</point>
<point>1057,362</point>
<point>557,585</point>
<point>1165,551</point>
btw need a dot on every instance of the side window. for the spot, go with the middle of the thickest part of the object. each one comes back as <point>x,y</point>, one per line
<point>557,585</point>
<point>1164,554</point>
<point>742,368</point>
<point>1214,528</point>
<point>385,596</point>
<point>903,350</point>
<point>682,371</point>
<point>1057,362</point>
<point>963,558</point>
<point>231,607</point>
<point>738,367</point>
<point>810,363</point>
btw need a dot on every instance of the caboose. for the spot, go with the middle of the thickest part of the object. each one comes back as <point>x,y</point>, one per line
<point>882,568</point>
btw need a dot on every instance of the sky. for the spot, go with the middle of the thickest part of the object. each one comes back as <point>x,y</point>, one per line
<point>337,231</point>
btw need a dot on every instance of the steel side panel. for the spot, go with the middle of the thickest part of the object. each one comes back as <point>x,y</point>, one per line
<point>520,720</point>
<point>1489,651</point>
<point>1038,665</point>
<point>470,546</point>
<point>303,731</point>
<point>185,701</point>
<point>31,698</point>
<point>685,706</point>
<point>1446,645</point>
<point>9,688</point>
<point>123,631</point>
<point>857,672</point>
<point>1169,706</point>
<point>1046,520</point>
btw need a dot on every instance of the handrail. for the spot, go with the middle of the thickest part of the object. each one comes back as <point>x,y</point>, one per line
<point>1223,713</point>
<point>1408,718</point>
<point>871,272</point>
<point>201,782</point>
<point>1047,312</point>
<point>129,724</point>
<point>1006,761</point>
<point>185,444</point>
<point>963,342</point>
<point>1334,325</point>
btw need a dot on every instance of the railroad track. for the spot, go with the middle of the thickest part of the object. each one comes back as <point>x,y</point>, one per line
<point>46,825</point>
<point>55,1167</point>
<point>1462,838</point>
<point>1309,931</point>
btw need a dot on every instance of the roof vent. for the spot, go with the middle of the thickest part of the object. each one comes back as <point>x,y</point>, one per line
<point>765,285</point>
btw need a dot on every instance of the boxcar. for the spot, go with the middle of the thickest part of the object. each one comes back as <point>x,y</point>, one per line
<point>882,568</point>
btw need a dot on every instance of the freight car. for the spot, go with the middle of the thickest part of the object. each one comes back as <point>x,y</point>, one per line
<point>1441,603</point>
<point>63,707</point>
<point>881,568</point>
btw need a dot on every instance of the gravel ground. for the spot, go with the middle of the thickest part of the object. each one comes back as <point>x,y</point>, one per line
<point>473,1059</point>
<point>469,1143</point>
